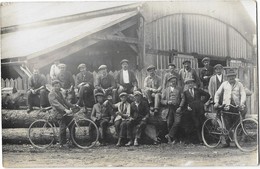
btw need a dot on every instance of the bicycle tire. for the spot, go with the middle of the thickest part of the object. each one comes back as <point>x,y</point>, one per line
<point>210,132</point>
<point>41,134</point>
<point>246,139</point>
<point>81,136</point>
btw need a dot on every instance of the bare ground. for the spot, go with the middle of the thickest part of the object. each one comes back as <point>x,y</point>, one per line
<point>112,156</point>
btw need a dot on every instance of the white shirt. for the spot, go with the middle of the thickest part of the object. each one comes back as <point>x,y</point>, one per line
<point>54,71</point>
<point>172,88</point>
<point>126,76</point>
<point>219,77</point>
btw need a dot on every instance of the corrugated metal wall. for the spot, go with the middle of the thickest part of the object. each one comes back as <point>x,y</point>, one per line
<point>195,33</point>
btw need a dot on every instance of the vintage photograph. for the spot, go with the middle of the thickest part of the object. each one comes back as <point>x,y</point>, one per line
<point>129,84</point>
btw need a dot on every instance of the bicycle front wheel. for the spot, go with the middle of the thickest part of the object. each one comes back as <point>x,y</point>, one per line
<point>246,135</point>
<point>211,132</point>
<point>41,134</point>
<point>84,133</point>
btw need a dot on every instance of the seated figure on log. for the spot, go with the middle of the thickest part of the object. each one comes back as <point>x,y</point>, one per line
<point>105,83</point>
<point>173,98</point>
<point>102,116</point>
<point>85,85</point>
<point>37,89</point>
<point>152,88</point>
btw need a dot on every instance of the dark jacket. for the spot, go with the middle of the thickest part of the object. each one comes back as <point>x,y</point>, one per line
<point>179,101</point>
<point>85,77</point>
<point>198,93</point>
<point>206,72</point>
<point>101,112</point>
<point>36,81</point>
<point>132,78</point>
<point>140,112</point>
<point>66,79</point>
<point>58,103</point>
<point>107,82</point>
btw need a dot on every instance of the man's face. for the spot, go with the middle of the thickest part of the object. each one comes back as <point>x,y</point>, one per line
<point>138,98</point>
<point>123,98</point>
<point>218,70</point>
<point>186,65</point>
<point>173,82</point>
<point>35,71</point>
<point>82,69</point>
<point>172,69</point>
<point>206,63</point>
<point>231,79</point>
<point>104,72</point>
<point>100,99</point>
<point>124,65</point>
<point>62,69</point>
<point>190,84</point>
<point>56,87</point>
<point>151,72</point>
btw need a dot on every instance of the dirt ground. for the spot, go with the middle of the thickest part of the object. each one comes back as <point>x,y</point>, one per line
<point>112,156</point>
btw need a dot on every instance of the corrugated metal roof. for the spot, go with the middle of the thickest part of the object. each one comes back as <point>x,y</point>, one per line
<point>28,12</point>
<point>29,42</point>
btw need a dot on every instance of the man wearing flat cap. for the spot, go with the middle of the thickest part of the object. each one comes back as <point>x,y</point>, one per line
<point>67,83</point>
<point>152,88</point>
<point>105,83</point>
<point>173,99</point>
<point>195,105</point>
<point>126,80</point>
<point>62,109</point>
<point>85,85</point>
<point>233,94</point>
<point>206,72</point>
<point>188,73</point>
<point>172,68</point>
<point>101,115</point>
<point>139,111</point>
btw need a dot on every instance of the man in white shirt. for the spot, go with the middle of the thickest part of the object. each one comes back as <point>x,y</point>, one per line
<point>54,70</point>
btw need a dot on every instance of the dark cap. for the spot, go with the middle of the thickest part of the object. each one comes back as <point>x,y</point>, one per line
<point>186,61</point>
<point>123,94</point>
<point>171,77</point>
<point>205,59</point>
<point>102,67</point>
<point>188,80</point>
<point>55,82</point>
<point>99,94</point>
<point>218,66</point>
<point>150,67</point>
<point>81,65</point>
<point>124,60</point>
<point>231,72</point>
<point>171,64</point>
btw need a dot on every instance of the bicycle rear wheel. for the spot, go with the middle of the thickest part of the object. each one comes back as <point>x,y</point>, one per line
<point>246,135</point>
<point>81,135</point>
<point>41,134</point>
<point>211,133</point>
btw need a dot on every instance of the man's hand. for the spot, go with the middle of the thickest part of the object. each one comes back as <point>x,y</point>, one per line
<point>216,105</point>
<point>68,112</point>
<point>33,92</point>
<point>206,77</point>
<point>189,108</point>
<point>144,119</point>
<point>242,107</point>
<point>105,103</point>
<point>178,110</point>
<point>227,107</point>
<point>87,85</point>
<point>169,102</point>
<point>131,118</point>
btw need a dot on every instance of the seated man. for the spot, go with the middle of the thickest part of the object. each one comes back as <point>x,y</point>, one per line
<point>67,83</point>
<point>173,98</point>
<point>152,88</point>
<point>84,82</point>
<point>37,87</point>
<point>140,113</point>
<point>195,105</point>
<point>126,79</point>
<point>105,83</point>
<point>101,115</point>
<point>233,94</point>
<point>62,109</point>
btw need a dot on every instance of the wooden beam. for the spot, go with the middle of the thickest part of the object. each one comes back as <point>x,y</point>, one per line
<point>117,38</point>
<point>132,46</point>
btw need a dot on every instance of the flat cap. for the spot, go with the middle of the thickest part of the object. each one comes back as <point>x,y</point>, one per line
<point>124,60</point>
<point>171,77</point>
<point>61,65</point>
<point>231,72</point>
<point>81,65</point>
<point>55,82</point>
<point>99,94</point>
<point>102,67</point>
<point>186,61</point>
<point>150,67</point>
<point>188,80</point>
<point>205,59</point>
<point>172,64</point>
<point>218,66</point>
<point>123,94</point>
<point>137,93</point>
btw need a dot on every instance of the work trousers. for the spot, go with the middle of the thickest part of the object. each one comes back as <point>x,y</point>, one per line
<point>173,121</point>
<point>151,95</point>
<point>43,98</point>
<point>63,124</point>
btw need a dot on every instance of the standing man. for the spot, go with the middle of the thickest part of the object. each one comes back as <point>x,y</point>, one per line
<point>139,112</point>
<point>67,83</point>
<point>206,72</point>
<point>188,73</point>
<point>37,87</point>
<point>105,83</point>
<point>85,85</point>
<point>152,88</point>
<point>233,94</point>
<point>173,98</point>
<point>54,70</point>
<point>63,111</point>
<point>171,72</point>
<point>126,79</point>
<point>195,104</point>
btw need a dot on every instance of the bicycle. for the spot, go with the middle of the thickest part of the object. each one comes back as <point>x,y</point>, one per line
<point>42,133</point>
<point>245,135</point>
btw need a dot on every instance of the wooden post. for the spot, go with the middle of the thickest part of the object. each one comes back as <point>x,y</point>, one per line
<point>141,45</point>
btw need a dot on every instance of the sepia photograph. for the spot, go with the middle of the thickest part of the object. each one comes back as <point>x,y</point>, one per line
<point>129,84</point>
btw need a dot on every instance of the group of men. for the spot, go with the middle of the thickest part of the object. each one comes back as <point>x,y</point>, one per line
<point>181,92</point>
